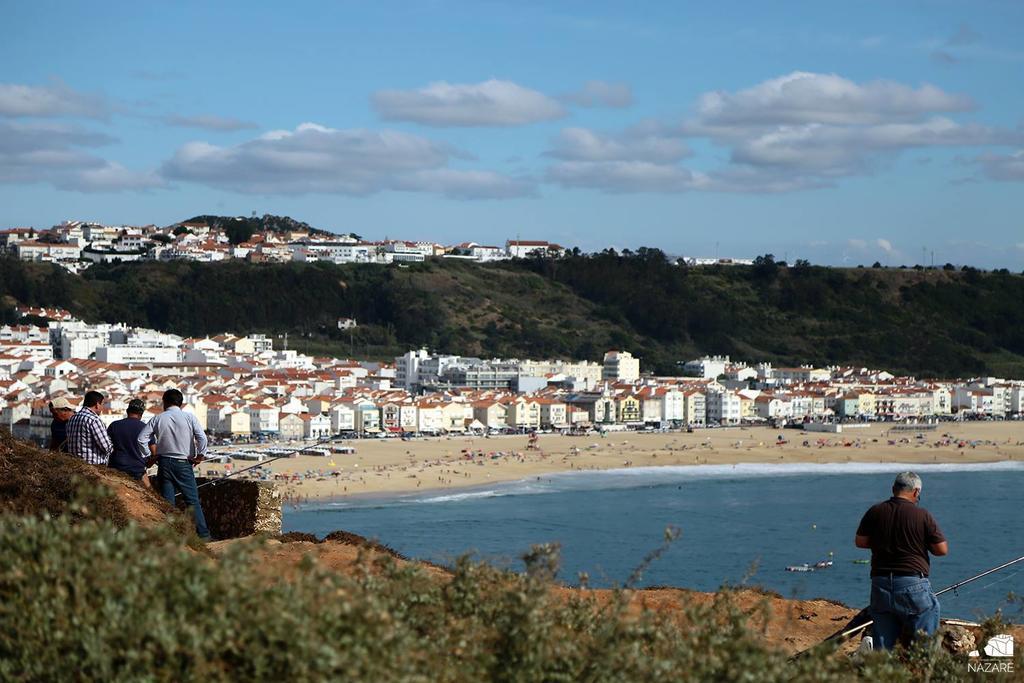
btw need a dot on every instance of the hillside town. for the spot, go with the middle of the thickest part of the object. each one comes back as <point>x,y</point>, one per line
<point>242,387</point>
<point>76,245</point>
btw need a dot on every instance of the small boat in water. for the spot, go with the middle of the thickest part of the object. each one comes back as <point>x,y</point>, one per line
<point>821,564</point>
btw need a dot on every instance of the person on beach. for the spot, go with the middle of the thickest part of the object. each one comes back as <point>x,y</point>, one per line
<point>179,444</point>
<point>900,534</point>
<point>87,436</point>
<point>123,434</point>
<point>61,410</point>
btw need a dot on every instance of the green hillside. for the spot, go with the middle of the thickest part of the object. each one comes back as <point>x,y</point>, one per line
<point>926,322</point>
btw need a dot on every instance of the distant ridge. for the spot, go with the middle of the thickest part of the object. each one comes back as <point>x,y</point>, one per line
<point>940,323</point>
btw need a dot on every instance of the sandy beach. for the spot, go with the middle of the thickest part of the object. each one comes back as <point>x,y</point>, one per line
<point>446,463</point>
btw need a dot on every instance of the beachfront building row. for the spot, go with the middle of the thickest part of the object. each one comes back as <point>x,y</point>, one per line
<point>240,386</point>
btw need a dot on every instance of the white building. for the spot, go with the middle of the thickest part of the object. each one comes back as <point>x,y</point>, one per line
<point>708,367</point>
<point>263,419</point>
<point>620,366</point>
<point>417,368</point>
<point>723,407</point>
<point>531,248</point>
<point>125,353</point>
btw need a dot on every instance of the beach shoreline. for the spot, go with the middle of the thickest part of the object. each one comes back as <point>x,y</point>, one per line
<point>392,467</point>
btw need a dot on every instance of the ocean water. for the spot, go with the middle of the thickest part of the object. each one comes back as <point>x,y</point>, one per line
<point>742,523</point>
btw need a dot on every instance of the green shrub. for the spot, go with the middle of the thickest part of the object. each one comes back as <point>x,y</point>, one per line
<point>89,601</point>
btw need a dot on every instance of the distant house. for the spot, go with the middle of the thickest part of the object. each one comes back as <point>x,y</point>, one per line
<point>316,426</point>
<point>290,426</point>
<point>531,248</point>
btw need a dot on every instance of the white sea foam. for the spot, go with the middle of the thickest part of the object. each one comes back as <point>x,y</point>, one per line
<point>465,495</point>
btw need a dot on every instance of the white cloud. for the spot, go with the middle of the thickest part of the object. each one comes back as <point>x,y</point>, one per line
<point>317,159</point>
<point>796,132</point>
<point>601,94</point>
<point>884,244</point>
<point>208,122</point>
<point>110,177</point>
<point>623,176</point>
<point>802,97</point>
<point>582,144</point>
<point>1007,167</point>
<point>841,150</point>
<point>465,184</point>
<point>490,103</point>
<point>58,154</point>
<point>56,99</point>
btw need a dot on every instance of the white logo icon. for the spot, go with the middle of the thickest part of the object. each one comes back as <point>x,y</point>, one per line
<point>997,646</point>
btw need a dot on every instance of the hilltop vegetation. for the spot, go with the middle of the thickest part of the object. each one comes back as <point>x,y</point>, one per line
<point>932,323</point>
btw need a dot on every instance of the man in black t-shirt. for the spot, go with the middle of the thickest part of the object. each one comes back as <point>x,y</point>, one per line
<point>900,535</point>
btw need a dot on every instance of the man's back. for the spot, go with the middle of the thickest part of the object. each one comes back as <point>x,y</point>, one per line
<point>178,434</point>
<point>901,533</point>
<point>87,437</point>
<point>126,457</point>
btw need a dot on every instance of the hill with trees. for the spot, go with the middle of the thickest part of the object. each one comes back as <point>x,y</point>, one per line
<point>931,323</point>
<point>240,228</point>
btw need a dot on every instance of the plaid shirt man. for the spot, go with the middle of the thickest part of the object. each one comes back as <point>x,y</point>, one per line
<point>88,438</point>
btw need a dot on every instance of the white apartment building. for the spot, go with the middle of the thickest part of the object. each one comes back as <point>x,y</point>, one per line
<point>588,372</point>
<point>620,366</point>
<point>417,368</point>
<point>343,418</point>
<point>804,373</point>
<point>696,408</point>
<point>32,250</point>
<point>708,367</point>
<point>673,406</point>
<point>723,407</point>
<point>125,353</point>
<point>263,419</point>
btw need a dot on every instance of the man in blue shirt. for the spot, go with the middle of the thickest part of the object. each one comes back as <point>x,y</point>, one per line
<point>179,444</point>
<point>124,434</point>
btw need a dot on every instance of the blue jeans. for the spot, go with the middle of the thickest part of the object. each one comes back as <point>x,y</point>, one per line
<point>176,476</point>
<point>899,602</point>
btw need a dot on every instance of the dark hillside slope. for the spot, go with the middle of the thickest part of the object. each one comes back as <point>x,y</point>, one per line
<point>929,323</point>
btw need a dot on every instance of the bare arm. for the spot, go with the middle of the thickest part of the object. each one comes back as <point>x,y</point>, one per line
<point>939,549</point>
<point>862,541</point>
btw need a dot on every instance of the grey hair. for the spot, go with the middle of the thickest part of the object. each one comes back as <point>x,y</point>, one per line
<point>906,481</point>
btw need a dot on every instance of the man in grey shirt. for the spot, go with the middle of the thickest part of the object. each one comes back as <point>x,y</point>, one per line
<point>179,445</point>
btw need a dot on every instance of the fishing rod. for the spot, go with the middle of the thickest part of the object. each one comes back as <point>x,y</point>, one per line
<point>289,454</point>
<point>844,633</point>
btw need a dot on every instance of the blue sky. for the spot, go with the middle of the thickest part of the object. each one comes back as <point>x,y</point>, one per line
<point>843,133</point>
